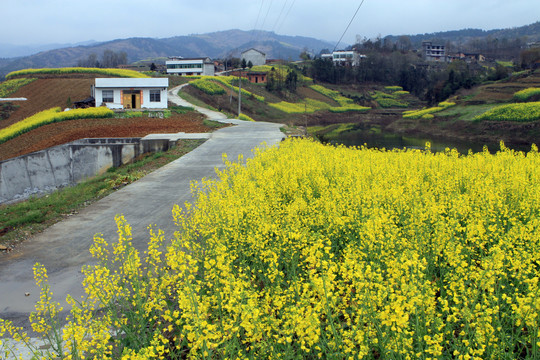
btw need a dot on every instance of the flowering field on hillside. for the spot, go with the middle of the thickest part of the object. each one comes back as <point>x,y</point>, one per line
<point>310,251</point>
<point>10,86</point>
<point>78,70</point>
<point>427,112</point>
<point>513,112</point>
<point>526,94</point>
<point>50,116</point>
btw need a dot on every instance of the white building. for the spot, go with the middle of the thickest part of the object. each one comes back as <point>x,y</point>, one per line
<point>190,66</point>
<point>131,93</point>
<point>255,56</point>
<point>344,57</point>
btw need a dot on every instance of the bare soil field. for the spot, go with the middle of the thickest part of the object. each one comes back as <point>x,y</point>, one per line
<point>63,132</point>
<point>44,94</point>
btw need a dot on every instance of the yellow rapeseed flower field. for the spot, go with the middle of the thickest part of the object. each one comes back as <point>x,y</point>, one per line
<point>50,116</point>
<point>309,251</point>
<point>79,70</point>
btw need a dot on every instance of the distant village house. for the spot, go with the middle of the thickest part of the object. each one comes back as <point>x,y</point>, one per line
<point>255,56</point>
<point>467,57</point>
<point>257,77</point>
<point>190,66</point>
<point>344,57</point>
<point>433,52</point>
<point>131,93</point>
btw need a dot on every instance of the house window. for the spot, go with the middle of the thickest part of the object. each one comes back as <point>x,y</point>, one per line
<point>107,96</point>
<point>155,96</point>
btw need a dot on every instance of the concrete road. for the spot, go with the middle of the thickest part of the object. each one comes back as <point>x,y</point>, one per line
<point>63,248</point>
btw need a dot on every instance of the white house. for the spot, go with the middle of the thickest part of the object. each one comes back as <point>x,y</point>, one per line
<point>255,56</point>
<point>190,66</point>
<point>131,93</point>
<point>344,57</point>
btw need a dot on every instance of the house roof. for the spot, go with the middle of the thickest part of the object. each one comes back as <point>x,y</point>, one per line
<point>243,52</point>
<point>132,82</point>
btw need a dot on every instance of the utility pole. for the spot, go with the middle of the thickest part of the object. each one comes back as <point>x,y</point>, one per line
<point>239,93</point>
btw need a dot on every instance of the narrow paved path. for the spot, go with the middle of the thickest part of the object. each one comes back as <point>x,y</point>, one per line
<point>63,248</point>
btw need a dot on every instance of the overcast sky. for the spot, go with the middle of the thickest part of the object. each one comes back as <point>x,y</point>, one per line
<point>26,22</point>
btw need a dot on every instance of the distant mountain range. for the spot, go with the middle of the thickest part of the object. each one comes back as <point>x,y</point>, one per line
<point>215,45</point>
<point>12,51</point>
<point>223,44</point>
<point>530,33</point>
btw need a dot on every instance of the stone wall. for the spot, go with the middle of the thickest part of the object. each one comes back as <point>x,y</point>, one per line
<point>65,165</point>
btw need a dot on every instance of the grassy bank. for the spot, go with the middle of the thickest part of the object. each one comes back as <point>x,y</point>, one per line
<point>21,220</point>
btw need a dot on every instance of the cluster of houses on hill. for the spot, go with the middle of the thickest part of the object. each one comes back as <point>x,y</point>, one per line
<point>437,52</point>
<point>151,93</point>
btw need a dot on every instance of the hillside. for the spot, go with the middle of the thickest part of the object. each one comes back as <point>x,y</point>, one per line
<point>455,124</point>
<point>214,45</point>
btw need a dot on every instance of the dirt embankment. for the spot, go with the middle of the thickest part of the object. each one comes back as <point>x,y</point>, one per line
<point>63,132</point>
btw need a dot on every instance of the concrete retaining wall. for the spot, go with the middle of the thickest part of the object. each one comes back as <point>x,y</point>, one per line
<point>65,165</point>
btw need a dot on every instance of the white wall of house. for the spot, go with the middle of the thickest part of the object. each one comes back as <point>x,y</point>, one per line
<point>152,92</point>
<point>197,66</point>
<point>255,56</point>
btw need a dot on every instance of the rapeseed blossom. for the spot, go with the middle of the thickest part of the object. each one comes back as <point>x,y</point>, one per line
<point>312,251</point>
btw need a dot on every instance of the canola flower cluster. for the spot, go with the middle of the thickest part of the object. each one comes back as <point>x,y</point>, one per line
<point>208,87</point>
<point>228,81</point>
<point>309,251</point>
<point>50,116</point>
<point>307,105</point>
<point>390,100</point>
<point>513,112</point>
<point>283,69</point>
<point>245,117</point>
<point>78,70</point>
<point>427,113</point>
<point>10,86</point>
<point>345,104</point>
<point>526,94</point>
<point>396,90</point>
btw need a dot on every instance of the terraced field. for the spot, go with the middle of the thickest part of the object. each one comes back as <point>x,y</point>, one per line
<point>54,91</point>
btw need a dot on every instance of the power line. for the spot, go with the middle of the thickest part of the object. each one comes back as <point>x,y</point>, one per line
<point>279,16</point>
<point>350,22</point>
<point>257,21</point>
<point>267,12</point>
<point>287,14</point>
